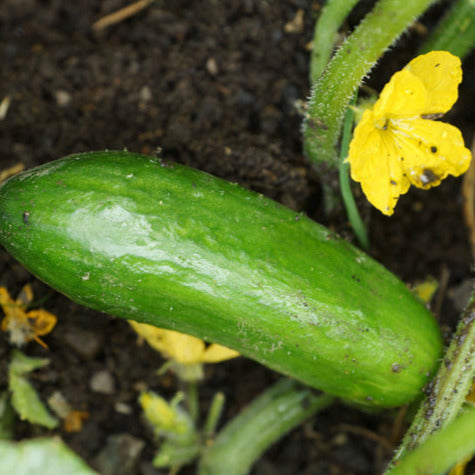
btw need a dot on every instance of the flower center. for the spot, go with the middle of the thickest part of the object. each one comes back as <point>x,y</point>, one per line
<point>382,123</point>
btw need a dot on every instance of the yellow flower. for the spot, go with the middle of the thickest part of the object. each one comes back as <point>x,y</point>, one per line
<point>187,353</point>
<point>397,143</point>
<point>24,326</point>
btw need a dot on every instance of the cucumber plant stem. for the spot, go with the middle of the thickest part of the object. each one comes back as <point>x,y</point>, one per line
<point>345,186</point>
<point>456,32</point>
<point>213,416</point>
<point>344,73</point>
<point>192,400</point>
<point>443,450</point>
<point>446,393</point>
<point>326,34</point>
<point>279,409</point>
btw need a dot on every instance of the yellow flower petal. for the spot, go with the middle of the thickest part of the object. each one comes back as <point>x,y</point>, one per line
<point>216,353</point>
<point>184,349</point>
<point>376,163</point>
<point>41,322</point>
<point>403,96</point>
<point>432,150</point>
<point>426,289</point>
<point>441,73</point>
<point>365,145</point>
<point>5,300</point>
<point>152,335</point>
<point>181,348</point>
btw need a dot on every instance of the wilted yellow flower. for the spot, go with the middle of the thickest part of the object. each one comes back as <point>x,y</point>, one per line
<point>426,289</point>
<point>24,326</point>
<point>165,417</point>
<point>397,143</point>
<point>180,442</point>
<point>73,419</point>
<point>187,353</point>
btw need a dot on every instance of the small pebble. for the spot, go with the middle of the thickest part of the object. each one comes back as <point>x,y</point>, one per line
<point>122,408</point>
<point>86,343</point>
<point>63,98</point>
<point>295,25</point>
<point>102,382</point>
<point>145,94</point>
<point>212,66</point>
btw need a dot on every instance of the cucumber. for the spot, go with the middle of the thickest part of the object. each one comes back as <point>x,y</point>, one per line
<point>160,243</point>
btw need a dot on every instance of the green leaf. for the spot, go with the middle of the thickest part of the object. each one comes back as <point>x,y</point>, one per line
<point>20,364</point>
<point>47,456</point>
<point>7,417</point>
<point>24,399</point>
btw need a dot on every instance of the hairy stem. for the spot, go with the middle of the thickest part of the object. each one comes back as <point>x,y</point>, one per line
<point>326,34</point>
<point>446,393</point>
<point>443,450</point>
<point>353,60</point>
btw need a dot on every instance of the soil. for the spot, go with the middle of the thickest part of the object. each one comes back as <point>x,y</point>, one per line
<point>211,84</point>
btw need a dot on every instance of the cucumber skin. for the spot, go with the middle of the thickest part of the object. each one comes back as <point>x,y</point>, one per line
<point>160,243</point>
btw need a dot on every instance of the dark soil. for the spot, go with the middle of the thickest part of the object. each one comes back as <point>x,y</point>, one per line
<point>212,84</point>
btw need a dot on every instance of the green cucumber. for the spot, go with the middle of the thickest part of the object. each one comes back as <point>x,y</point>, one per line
<point>163,244</point>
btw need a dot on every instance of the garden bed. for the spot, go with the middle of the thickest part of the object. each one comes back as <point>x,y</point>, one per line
<point>215,85</point>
